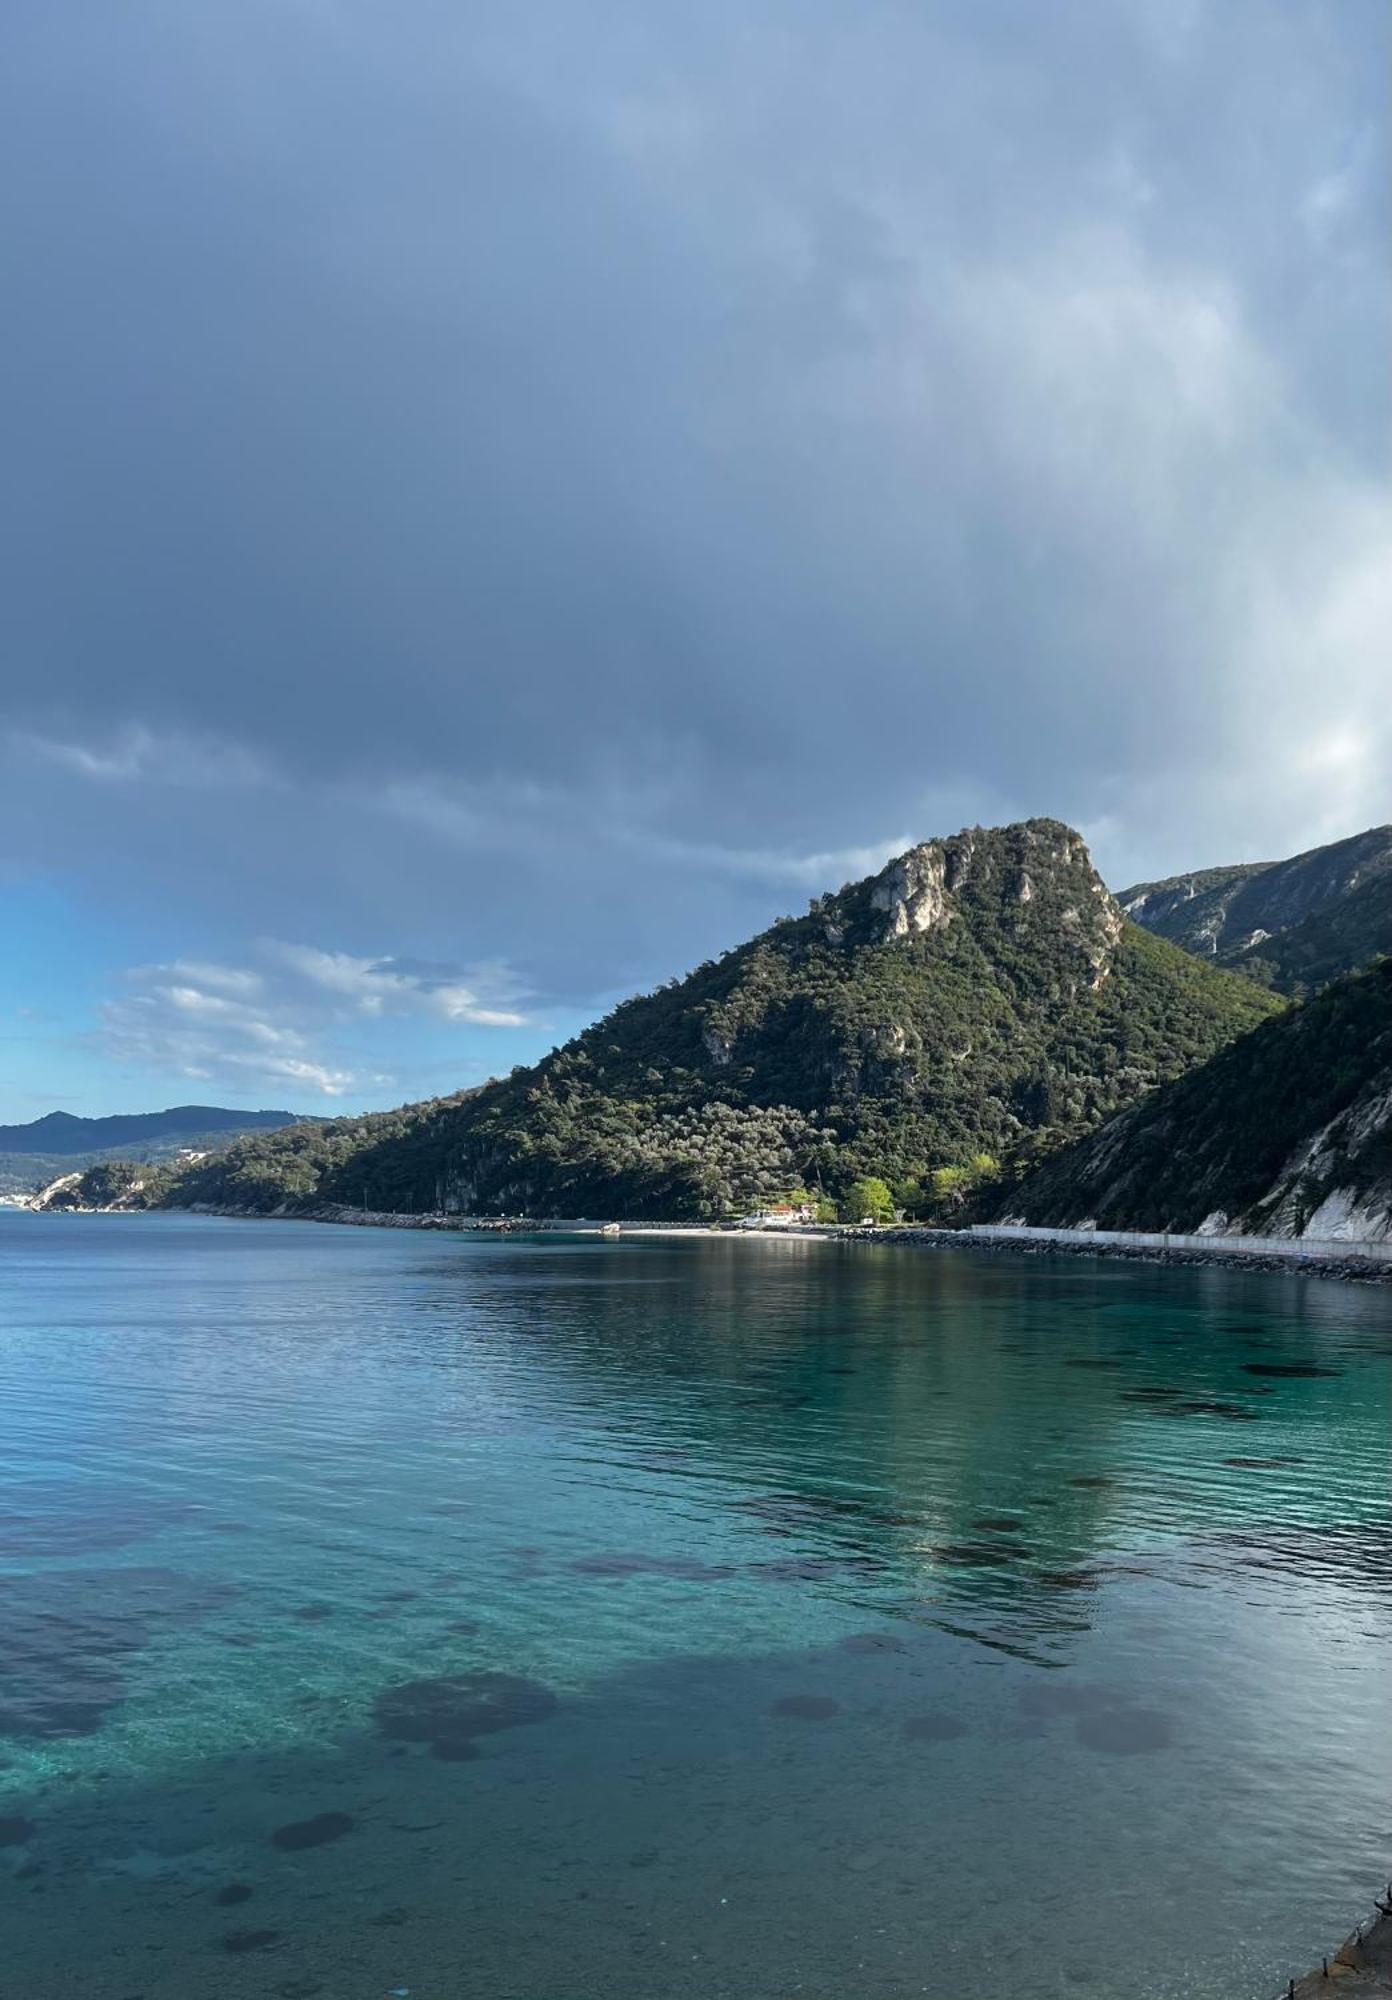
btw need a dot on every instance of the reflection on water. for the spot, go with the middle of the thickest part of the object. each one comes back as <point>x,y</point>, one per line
<point>544,1617</point>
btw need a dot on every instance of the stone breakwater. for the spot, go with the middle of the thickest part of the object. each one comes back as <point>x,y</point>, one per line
<point>1364,1263</point>
<point>1361,1965</point>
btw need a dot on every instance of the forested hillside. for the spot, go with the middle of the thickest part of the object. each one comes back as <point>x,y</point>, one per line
<point>1286,1132</point>
<point>981,993</point>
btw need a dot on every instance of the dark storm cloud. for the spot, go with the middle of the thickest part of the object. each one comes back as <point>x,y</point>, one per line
<point>559,484</point>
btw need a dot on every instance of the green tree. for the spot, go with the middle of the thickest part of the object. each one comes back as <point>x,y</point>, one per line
<point>867,1200</point>
<point>949,1189</point>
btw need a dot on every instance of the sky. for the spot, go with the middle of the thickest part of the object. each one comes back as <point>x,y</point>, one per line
<point>504,498</point>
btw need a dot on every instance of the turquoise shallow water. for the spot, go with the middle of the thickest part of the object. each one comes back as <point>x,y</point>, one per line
<point>875,1622</point>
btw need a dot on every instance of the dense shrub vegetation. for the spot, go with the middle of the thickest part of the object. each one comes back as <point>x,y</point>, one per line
<point>1262,1133</point>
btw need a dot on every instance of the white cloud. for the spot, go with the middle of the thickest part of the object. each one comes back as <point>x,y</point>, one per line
<point>290,1020</point>
<point>137,755</point>
<point>174,1029</point>
<point>385,986</point>
<point>860,403</point>
<point>231,979</point>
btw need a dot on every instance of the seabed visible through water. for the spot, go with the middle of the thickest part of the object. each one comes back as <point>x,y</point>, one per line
<point>549,1617</point>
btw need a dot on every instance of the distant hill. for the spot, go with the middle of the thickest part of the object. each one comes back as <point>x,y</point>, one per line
<point>33,1155</point>
<point>1287,1132</point>
<point>979,992</point>
<point>1293,925</point>
<point>59,1132</point>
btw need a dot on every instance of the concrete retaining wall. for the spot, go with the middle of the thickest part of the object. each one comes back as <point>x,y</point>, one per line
<point>1297,1250</point>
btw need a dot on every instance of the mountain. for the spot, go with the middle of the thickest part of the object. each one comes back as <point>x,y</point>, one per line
<point>1287,1132</point>
<point>60,1132</point>
<point>33,1154</point>
<point>1293,924</point>
<point>980,991</point>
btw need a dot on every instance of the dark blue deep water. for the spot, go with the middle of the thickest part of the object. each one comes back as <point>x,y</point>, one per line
<point>548,1618</point>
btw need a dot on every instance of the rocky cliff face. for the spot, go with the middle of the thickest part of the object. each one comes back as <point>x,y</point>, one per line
<point>913,892</point>
<point>113,1184</point>
<point>1294,924</point>
<point>1287,1132</point>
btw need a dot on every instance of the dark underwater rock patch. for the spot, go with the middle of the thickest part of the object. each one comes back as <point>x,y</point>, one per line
<point>50,1719</point>
<point>66,1636</point>
<point>814,1569</point>
<point>1291,1371</point>
<point>78,1705</point>
<point>1262,1464</point>
<point>1104,1718</point>
<point>933,1728</point>
<point>299,1834</point>
<point>234,1893</point>
<point>42,1518</point>
<point>243,1941</point>
<point>1069,1579</point>
<point>1212,1406</point>
<point>784,1509</point>
<point>976,1555</point>
<point>524,1565</point>
<point>1125,1732</point>
<point>1053,1697</point>
<point>872,1642</point>
<point>618,1565</point>
<point>448,1708</point>
<point>454,1749</point>
<point>789,1511</point>
<point>807,1707</point>
<point>15,1830</point>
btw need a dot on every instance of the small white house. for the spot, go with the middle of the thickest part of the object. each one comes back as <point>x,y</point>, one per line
<point>780,1215</point>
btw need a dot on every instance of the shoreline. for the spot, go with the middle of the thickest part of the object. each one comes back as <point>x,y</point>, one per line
<point>1355,1262</point>
<point>1362,1964</point>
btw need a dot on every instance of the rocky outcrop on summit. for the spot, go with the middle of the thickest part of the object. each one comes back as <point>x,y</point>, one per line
<point>918,891</point>
<point>913,892</point>
<point>1294,925</point>
<point>978,992</point>
<point>1287,1132</point>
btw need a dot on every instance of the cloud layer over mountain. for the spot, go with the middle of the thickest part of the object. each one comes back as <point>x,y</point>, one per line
<point>552,486</point>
